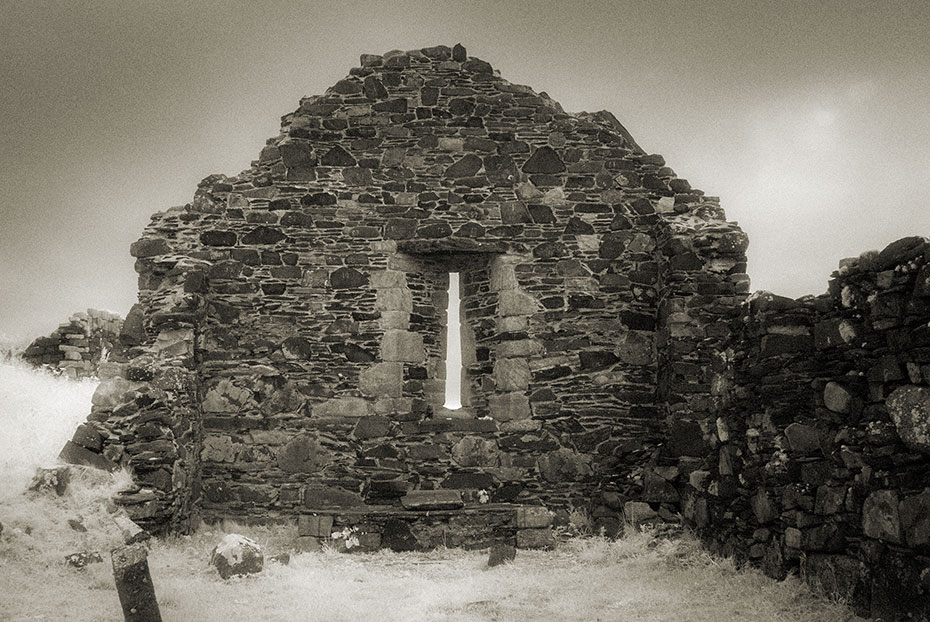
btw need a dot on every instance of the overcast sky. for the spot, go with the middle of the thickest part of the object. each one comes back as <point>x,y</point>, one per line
<point>809,119</point>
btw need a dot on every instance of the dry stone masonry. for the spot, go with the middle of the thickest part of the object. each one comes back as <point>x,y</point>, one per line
<point>286,358</point>
<point>77,347</point>
<point>287,354</point>
<point>819,457</point>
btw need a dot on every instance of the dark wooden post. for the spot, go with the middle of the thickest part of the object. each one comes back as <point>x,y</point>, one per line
<point>134,584</point>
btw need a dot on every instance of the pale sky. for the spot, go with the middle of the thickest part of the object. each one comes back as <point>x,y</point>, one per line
<point>809,119</point>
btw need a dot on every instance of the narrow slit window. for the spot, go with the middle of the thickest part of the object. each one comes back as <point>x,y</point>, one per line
<point>453,346</point>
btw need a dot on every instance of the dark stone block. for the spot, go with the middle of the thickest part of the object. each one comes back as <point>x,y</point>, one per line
<point>541,214</point>
<point>435,230</point>
<point>318,198</point>
<point>263,235</point>
<point>149,247</point>
<point>297,347</point>
<point>544,160</point>
<point>459,54</point>
<point>578,226</point>
<point>88,437</point>
<point>391,105</point>
<point>501,553</point>
<point>467,166</point>
<point>550,250</point>
<point>318,497</point>
<point>551,373</point>
<point>400,228</point>
<point>218,238</point>
<point>396,535</point>
<point>685,438</point>
<point>72,453</point>
<point>132,332</point>
<point>337,156</point>
<point>597,359</point>
<point>347,278</point>
<point>613,244</point>
<point>372,427</point>
<point>469,480</point>
<point>374,89</point>
<point>477,66</point>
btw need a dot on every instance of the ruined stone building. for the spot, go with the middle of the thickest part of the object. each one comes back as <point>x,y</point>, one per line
<point>287,356</point>
<point>77,346</point>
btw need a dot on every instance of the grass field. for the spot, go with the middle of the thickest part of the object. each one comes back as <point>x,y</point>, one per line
<point>638,578</point>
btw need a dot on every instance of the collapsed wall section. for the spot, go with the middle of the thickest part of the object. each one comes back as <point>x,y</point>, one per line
<point>77,347</point>
<point>818,460</point>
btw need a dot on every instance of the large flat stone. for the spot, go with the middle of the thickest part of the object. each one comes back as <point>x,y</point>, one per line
<point>432,500</point>
<point>72,453</point>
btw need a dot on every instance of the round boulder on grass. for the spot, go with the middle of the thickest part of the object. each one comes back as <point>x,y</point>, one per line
<point>237,555</point>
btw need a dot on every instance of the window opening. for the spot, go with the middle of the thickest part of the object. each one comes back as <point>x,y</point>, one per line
<point>453,346</point>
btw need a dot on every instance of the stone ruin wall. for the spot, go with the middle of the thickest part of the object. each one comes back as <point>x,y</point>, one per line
<point>286,352</point>
<point>288,343</point>
<point>77,347</point>
<point>817,458</point>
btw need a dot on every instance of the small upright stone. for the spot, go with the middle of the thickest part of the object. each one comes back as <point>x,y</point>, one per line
<point>459,54</point>
<point>501,553</point>
<point>134,584</point>
<point>237,555</point>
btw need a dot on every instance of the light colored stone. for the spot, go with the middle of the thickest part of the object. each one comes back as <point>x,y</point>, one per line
<point>837,398</point>
<point>533,517</point>
<point>521,347</point>
<point>451,144</point>
<point>512,374</point>
<point>342,407</point>
<point>509,406</point>
<point>382,380</point>
<point>402,346</point>
<point>218,448</point>
<point>179,342</point>
<point>503,277</point>
<point>432,500</point>
<point>237,555</point>
<point>110,392</point>
<point>513,302</point>
<point>226,397</point>
<point>909,407</point>
<point>394,299</point>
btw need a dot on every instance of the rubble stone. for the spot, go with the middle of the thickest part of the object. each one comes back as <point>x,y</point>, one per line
<point>237,555</point>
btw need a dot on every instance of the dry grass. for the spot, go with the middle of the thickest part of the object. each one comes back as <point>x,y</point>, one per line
<point>639,577</point>
<point>38,414</point>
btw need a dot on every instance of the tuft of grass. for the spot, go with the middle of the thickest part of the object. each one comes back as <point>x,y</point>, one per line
<point>39,412</point>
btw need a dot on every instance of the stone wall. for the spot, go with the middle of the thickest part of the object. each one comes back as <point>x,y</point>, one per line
<point>77,347</point>
<point>289,342</point>
<point>818,458</point>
